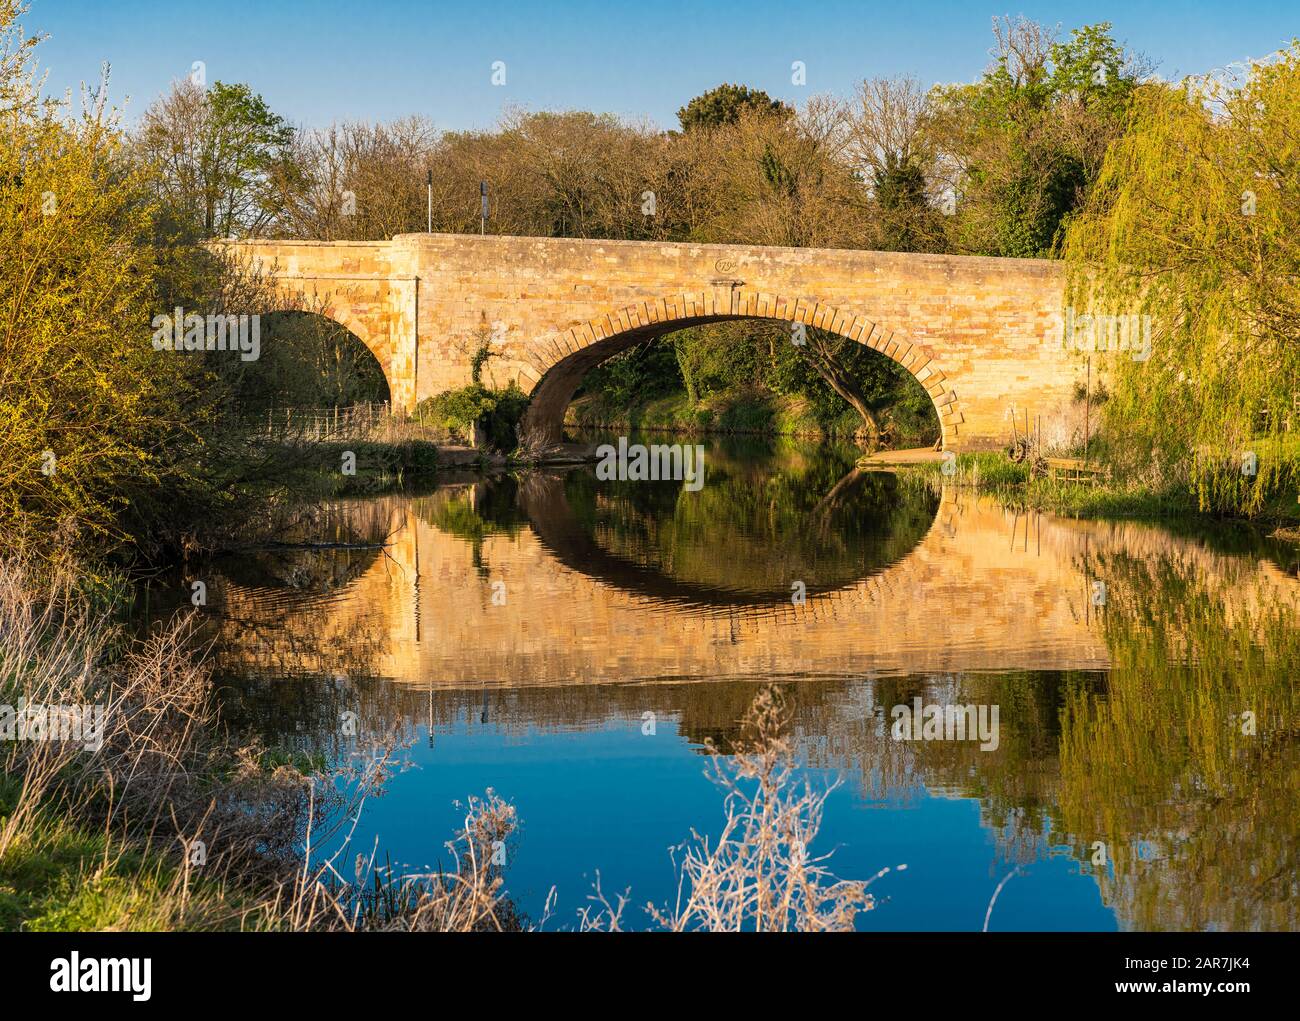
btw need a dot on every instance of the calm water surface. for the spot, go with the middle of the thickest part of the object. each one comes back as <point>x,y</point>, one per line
<point>515,633</point>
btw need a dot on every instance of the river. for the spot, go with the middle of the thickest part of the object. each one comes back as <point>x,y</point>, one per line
<point>573,644</point>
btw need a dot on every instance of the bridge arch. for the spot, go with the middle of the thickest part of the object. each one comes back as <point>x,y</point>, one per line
<point>352,283</point>
<point>558,363</point>
<point>357,358</point>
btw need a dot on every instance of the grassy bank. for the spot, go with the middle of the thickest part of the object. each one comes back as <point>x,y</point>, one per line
<point>351,467</point>
<point>738,411</point>
<point>60,874</point>
<point>125,804</point>
<point>1013,484</point>
<point>122,804</point>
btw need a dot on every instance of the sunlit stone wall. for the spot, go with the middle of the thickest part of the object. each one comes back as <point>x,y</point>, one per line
<point>983,336</point>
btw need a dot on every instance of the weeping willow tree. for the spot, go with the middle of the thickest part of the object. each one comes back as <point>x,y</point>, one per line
<point>1195,222</point>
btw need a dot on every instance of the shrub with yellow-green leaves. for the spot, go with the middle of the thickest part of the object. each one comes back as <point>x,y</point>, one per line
<point>103,438</point>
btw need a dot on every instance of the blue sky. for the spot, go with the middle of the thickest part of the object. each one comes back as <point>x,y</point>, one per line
<point>322,60</point>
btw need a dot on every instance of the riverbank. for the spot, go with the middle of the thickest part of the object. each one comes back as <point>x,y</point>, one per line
<point>114,783</point>
<point>369,467</point>
<point>126,804</point>
<point>64,875</point>
<point>1013,484</point>
<point>381,466</point>
<point>739,412</point>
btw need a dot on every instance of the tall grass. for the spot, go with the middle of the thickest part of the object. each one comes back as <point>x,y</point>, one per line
<point>760,873</point>
<point>169,824</point>
<point>160,782</point>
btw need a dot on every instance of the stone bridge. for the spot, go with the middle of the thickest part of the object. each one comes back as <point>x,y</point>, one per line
<point>983,336</point>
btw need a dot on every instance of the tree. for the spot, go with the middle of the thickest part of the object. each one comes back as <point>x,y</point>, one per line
<point>92,419</point>
<point>827,353</point>
<point>579,174</point>
<point>106,440</point>
<point>358,181</point>
<point>889,145</point>
<point>216,152</point>
<point>1023,145</point>
<point>726,104</point>
<point>784,181</point>
<point>1195,222</point>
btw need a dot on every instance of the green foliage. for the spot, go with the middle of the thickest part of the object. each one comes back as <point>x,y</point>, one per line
<point>46,884</point>
<point>93,421</point>
<point>900,188</point>
<point>984,470</point>
<point>718,358</point>
<point>497,411</point>
<point>640,374</point>
<point>1195,222</point>
<point>882,382</point>
<point>1012,483</point>
<point>381,466</point>
<point>457,410</point>
<point>106,441</point>
<point>1092,68</point>
<point>725,104</point>
<point>734,376</point>
<point>783,181</point>
<point>216,153</point>
<point>1029,137</point>
<point>306,360</point>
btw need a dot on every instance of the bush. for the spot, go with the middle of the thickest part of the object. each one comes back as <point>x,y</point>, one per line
<point>498,412</point>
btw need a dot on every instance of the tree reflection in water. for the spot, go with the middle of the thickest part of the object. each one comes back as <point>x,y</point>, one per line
<point>1123,736</point>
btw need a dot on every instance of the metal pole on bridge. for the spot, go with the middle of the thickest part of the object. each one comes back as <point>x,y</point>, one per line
<point>430,186</point>
<point>1087,410</point>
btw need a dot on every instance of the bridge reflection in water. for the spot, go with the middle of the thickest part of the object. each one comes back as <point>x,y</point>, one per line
<point>1120,705</point>
<point>549,598</point>
<point>553,600</point>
